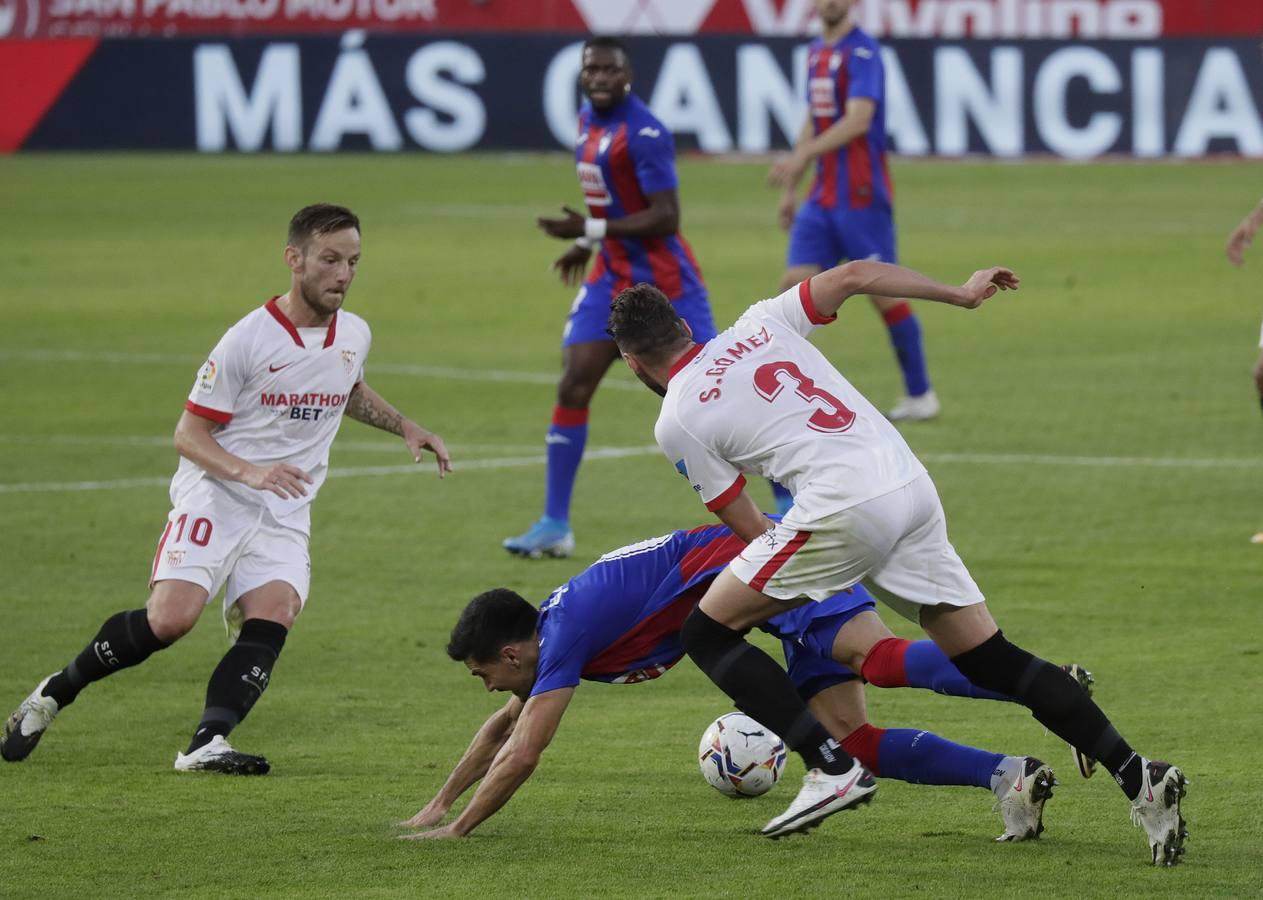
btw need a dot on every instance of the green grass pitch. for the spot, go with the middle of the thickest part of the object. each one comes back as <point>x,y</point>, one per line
<point>1098,455</point>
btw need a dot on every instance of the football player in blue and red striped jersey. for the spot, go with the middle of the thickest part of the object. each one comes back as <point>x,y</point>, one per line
<point>619,622</point>
<point>626,164</point>
<point>849,212</point>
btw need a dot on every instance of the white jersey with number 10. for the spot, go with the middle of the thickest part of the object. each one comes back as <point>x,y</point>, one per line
<point>279,392</point>
<point>760,399</point>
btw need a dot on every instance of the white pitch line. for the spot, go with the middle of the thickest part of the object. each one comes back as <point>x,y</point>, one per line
<point>165,442</point>
<point>449,373</point>
<point>598,453</point>
<point>1037,459</point>
<point>506,462</point>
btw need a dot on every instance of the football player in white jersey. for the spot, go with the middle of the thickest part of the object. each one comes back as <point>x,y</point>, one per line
<point>760,399</point>
<point>254,445</point>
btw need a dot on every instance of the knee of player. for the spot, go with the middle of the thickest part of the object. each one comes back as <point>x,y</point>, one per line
<point>701,632</point>
<point>170,622</point>
<point>575,389</point>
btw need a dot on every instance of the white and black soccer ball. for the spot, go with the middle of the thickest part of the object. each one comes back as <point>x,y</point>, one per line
<point>739,757</point>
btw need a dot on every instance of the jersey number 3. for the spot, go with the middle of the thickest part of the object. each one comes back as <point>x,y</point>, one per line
<point>831,418</point>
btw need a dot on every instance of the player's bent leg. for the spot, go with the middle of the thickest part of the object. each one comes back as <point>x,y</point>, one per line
<point>239,681</point>
<point>893,662</point>
<point>1061,705</point>
<point>124,640</point>
<point>1021,785</point>
<point>583,367</point>
<point>713,637</point>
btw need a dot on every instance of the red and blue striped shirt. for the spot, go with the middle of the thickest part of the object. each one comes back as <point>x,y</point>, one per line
<point>623,155</point>
<point>854,176</point>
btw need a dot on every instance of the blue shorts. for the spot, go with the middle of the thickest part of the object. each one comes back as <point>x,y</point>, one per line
<point>590,313</point>
<point>823,237</point>
<point>807,634</point>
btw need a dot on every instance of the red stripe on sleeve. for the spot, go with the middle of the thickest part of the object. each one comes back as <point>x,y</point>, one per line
<point>773,565</point>
<point>215,415</point>
<point>734,490</point>
<point>809,305</point>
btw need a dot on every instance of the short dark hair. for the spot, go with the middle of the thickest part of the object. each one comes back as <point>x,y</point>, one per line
<point>607,42</point>
<point>643,321</point>
<point>317,219</point>
<point>491,620</point>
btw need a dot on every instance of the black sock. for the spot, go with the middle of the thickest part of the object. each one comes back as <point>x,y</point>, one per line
<point>761,689</point>
<point>1057,702</point>
<point>240,679</point>
<point>125,640</point>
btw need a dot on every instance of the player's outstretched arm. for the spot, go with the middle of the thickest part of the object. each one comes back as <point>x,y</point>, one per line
<point>830,289</point>
<point>1243,234</point>
<point>513,764</point>
<point>473,764</point>
<point>367,406</point>
<point>195,441</point>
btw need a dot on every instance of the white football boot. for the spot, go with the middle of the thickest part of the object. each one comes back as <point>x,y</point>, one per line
<point>821,796</point>
<point>915,409</point>
<point>1021,802</point>
<point>218,756</point>
<point>1157,810</point>
<point>27,725</point>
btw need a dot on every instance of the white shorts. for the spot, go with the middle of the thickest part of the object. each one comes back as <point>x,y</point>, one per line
<point>898,542</point>
<point>222,543</point>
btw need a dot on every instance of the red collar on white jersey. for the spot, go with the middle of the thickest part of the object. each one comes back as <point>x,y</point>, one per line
<point>689,355</point>
<point>275,309</point>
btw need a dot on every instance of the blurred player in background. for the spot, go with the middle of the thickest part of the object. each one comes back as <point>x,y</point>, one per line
<point>626,166</point>
<point>619,622</point>
<point>849,212</point>
<point>1240,238</point>
<point>254,440</point>
<point>761,399</point>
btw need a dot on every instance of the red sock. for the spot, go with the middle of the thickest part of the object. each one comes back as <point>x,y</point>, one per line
<point>883,666</point>
<point>864,743</point>
<point>897,314</point>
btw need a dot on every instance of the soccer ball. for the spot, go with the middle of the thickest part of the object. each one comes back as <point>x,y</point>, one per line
<point>739,757</point>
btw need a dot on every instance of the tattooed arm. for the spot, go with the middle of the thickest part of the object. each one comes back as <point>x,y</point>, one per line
<point>367,406</point>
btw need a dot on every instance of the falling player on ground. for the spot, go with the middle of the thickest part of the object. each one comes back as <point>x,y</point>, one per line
<point>619,622</point>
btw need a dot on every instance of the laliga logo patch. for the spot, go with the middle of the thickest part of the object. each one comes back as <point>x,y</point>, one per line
<point>348,361</point>
<point>206,377</point>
